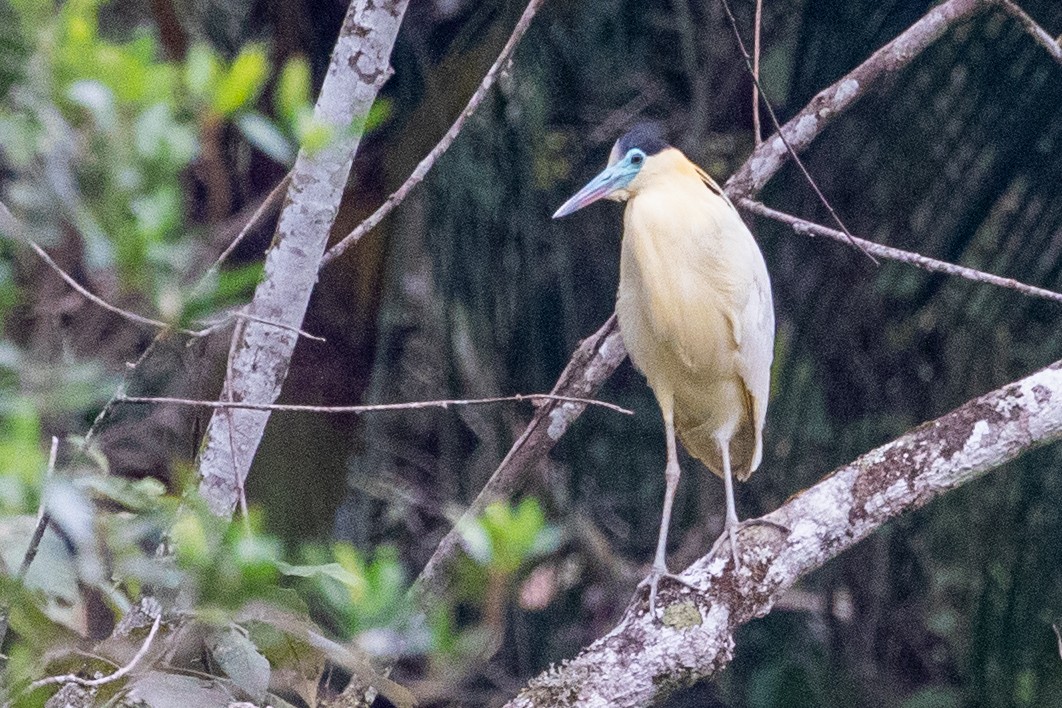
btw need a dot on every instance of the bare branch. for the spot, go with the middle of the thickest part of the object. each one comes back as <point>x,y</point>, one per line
<point>824,108</point>
<point>809,228</point>
<point>593,362</point>
<point>782,136</point>
<point>429,160</point>
<point>375,407</point>
<point>1052,45</point>
<point>268,204</point>
<point>120,673</point>
<point>696,639</point>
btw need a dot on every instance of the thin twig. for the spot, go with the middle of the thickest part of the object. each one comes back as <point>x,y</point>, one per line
<point>756,131</point>
<point>270,202</point>
<point>785,140</point>
<point>9,223</point>
<point>444,144</point>
<point>372,408</point>
<point>802,226</point>
<point>43,518</point>
<point>122,387</point>
<point>242,314</point>
<point>1058,633</point>
<point>1037,32</point>
<point>93,683</point>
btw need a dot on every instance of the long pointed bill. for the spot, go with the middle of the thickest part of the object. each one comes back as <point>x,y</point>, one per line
<point>611,179</point>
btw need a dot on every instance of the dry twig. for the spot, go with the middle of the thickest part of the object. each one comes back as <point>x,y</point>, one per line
<point>809,228</point>
<point>110,678</point>
<point>373,407</point>
<point>443,145</point>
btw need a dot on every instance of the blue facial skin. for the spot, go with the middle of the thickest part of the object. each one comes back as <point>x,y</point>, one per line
<point>614,177</point>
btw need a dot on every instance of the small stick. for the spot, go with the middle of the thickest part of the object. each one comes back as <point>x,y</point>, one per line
<point>372,408</point>
<point>444,144</point>
<point>93,683</point>
<point>919,261</point>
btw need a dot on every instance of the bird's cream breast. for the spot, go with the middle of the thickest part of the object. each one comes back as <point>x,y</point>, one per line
<point>678,294</point>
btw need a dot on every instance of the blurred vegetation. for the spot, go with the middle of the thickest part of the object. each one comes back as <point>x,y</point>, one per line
<point>136,138</point>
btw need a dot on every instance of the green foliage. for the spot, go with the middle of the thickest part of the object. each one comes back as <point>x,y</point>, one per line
<point>229,584</point>
<point>501,543</point>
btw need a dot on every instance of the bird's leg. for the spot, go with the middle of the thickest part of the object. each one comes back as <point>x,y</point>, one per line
<point>671,474</point>
<point>730,529</point>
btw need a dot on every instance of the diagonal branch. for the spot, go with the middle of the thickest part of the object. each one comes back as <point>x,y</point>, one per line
<point>828,104</point>
<point>697,637</point>
<point>809,228</point>
<point>259,360</point>
<point>1045,40</point>
<point>421,171</point>
<point>603,352</point>
<point>593,362</point>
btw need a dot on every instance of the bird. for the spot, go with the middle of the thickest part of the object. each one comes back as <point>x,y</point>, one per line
<point>696,314</point>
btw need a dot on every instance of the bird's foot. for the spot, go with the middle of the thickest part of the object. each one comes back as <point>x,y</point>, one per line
<point>730,534</point>
<point>652,581</point>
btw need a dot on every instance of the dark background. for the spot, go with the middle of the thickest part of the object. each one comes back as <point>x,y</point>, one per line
<point>471,290</point>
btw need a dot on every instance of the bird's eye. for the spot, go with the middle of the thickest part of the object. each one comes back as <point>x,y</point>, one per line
<point>636,158</point>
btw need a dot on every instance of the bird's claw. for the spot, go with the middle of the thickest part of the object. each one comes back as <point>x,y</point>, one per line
<point>730,534</point>
<point>652,581</point>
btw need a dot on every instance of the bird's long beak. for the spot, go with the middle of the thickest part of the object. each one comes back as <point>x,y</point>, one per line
<point>610,179</point>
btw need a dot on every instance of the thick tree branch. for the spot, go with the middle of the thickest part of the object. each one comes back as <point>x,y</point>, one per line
<point>696,638</point>
<point>585,374</point>
<point>259,360</point>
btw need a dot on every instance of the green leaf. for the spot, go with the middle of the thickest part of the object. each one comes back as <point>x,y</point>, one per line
<point>242,83</point>
<point>202,69</point>
<point>348,657</point>
<point>329,570</point>
<point>239,658</point>
<point>138,495</point>
<point>266,136</point>
<point>292,95</point>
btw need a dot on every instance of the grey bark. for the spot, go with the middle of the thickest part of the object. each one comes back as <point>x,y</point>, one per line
<point>695,638</point>
<point>259,358</point>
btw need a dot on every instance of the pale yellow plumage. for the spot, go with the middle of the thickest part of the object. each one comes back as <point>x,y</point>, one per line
<point>694,307</point>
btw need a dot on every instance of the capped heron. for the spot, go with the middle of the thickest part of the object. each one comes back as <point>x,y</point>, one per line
<point>695,311</point>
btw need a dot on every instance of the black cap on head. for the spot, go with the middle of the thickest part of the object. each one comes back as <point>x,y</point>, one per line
<point>647,137</point>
